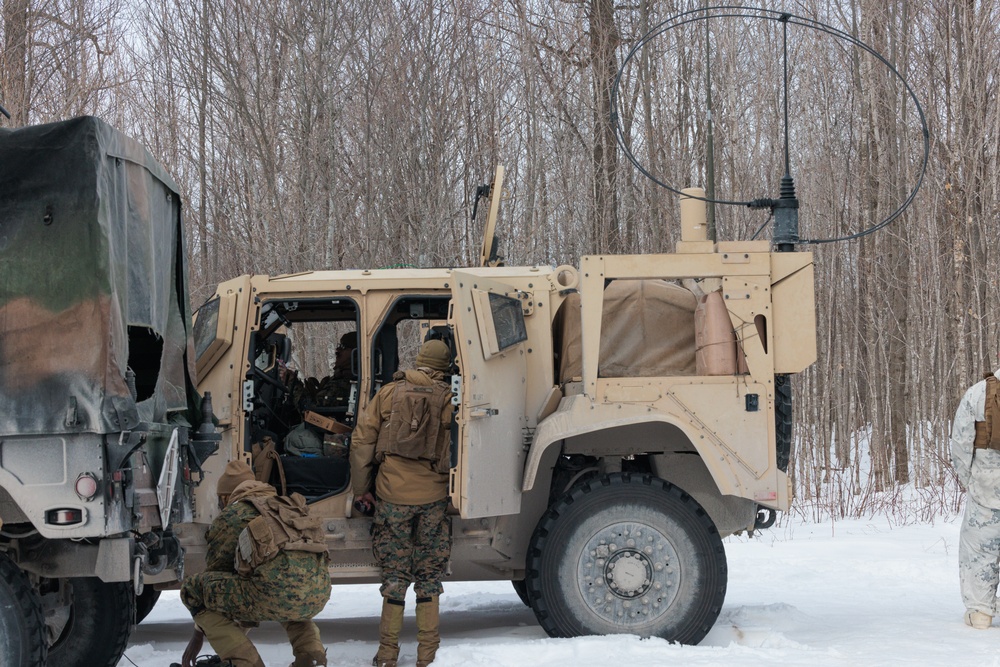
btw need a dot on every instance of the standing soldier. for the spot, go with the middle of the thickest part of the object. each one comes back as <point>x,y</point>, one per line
<point>266,561</point>
<point>406,429</point>
<point>975,453</point>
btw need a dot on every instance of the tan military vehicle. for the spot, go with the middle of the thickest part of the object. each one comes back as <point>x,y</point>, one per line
<point>101,431</point>
<point>614,420</point>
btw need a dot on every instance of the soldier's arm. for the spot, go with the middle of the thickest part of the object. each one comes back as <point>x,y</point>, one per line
<point>223,536</point>
<point>963,433</point>
<point>363,441</point>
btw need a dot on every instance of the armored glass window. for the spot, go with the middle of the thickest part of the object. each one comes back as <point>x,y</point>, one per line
<point>508,320</point>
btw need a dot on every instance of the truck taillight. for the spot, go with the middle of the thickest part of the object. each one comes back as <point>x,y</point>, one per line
<point>64,516</point>
<point>86,486</point>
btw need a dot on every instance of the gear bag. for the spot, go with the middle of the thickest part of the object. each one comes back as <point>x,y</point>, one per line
<point>418,426</point>
<point>988,430</point>
<point>284,524</point>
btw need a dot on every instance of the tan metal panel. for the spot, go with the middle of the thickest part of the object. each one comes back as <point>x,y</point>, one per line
<point>794,316</point>
<point>491,416</point>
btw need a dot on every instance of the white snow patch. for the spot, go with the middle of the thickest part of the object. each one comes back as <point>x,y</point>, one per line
<point>853,592</point>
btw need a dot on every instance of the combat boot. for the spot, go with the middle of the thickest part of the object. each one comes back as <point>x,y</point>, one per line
<point>978,619</point>
<point>306,645</point>
<point>244,655</point>
<point>228,640</point>
<point>388,633</point>
<point>428,636</point>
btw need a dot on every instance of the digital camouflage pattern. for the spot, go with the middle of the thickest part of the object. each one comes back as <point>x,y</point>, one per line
<point>412,544</point>
<point>979,472</point>
<point>293,586</point>
<point>978,469</point>
<point>979,557</point>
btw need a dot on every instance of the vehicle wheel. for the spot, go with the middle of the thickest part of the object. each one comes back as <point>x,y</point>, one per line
<point>627,553</point>
<point>92,626</point>
<point>144,603</point>
<point>22,625</point>
<point>521,588</point>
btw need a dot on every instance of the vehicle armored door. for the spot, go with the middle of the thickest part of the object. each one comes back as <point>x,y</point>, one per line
<point>491,339</point>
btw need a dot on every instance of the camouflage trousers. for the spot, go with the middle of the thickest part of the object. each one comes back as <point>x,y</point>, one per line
<point>412,544</point>
<point>294,586</point>
<point>979,557</point>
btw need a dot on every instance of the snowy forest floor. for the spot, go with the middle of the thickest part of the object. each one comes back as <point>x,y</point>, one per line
<point>852,592</point>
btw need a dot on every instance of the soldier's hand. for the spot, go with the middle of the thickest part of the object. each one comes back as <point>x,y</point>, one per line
<point>193,648</point>
<point>365,504</point>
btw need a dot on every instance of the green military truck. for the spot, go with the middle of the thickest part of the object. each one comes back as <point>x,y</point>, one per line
<point>101,430</point>
<point>614,421</point>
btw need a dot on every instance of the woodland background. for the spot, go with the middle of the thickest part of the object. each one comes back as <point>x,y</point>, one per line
<point>353,133</point>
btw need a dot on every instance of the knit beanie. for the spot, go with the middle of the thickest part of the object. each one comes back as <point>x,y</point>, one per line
<point>235,474</point>
<point>434,354</point>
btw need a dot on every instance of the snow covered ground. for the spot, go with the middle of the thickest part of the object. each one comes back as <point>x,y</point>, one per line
<point>859,592</point>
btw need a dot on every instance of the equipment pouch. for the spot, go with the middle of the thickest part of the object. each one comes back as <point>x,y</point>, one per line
<point>416,428</point>
<point>255,546</point>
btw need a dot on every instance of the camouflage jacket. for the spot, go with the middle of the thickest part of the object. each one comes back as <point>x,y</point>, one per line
<point>978,469</point>
<point>300,567</point>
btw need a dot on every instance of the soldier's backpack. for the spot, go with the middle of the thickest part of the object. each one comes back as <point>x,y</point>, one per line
<point>416,428</point>
<point>988,430</point>
<point>284,524</point>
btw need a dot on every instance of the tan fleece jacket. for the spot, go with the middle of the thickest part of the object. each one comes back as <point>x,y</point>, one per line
<point>400,480</point>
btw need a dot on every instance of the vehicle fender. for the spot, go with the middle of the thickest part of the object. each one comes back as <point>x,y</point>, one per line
<point>578,415</point>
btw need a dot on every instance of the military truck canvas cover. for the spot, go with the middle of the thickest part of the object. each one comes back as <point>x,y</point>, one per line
<point>647,330</point>
<point>92,281</point>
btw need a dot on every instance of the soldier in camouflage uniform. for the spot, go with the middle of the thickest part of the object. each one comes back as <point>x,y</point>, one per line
<point>975,452</point>
<point>411,537</point>
<point>291,587</point>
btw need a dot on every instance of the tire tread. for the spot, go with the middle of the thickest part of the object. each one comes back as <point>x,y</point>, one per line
<point>543,533</point>
<point>27,602</point>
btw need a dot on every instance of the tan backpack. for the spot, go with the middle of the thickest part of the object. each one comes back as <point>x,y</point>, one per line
<point>418,427</point>
<point>988,430</point>
<point>284,524</point>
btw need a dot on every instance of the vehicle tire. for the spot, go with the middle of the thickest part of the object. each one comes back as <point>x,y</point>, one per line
<point>627,553</point>
<point>783,420</point>
<point>94,629</point>
<point>22,624</point>
<point>521,588</point>
<point>144,603</point>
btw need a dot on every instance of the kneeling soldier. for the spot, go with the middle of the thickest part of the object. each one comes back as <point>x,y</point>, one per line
<point>266,561</point>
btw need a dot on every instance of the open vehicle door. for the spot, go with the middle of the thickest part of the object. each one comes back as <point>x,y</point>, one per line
<point>490,336</point>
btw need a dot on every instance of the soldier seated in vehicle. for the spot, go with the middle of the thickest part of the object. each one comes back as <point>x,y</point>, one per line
<point>332,391</point>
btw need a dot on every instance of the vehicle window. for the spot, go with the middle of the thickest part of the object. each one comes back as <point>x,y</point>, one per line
<point>508,320</point>
<point>206,326</point>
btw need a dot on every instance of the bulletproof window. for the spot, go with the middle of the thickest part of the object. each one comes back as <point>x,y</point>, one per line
<point>213,331</point>
<point>205,326</point>
<point>508,320</point>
